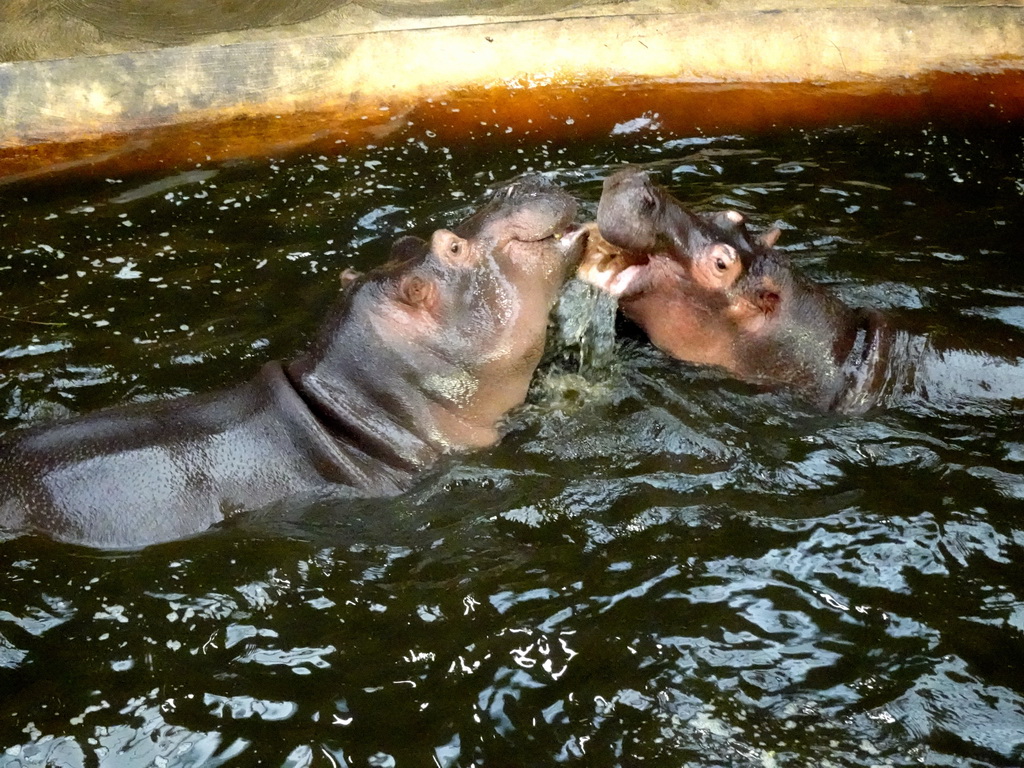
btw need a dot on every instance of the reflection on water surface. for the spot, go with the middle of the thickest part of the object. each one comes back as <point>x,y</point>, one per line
<point>658,563</point>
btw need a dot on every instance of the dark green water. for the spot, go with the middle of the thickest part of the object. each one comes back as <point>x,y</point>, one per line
<point>658,566</point>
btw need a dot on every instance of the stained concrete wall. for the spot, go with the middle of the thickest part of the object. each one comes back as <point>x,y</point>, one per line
<point>357,63</point>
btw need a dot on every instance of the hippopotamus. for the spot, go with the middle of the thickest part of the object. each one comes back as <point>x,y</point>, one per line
<point>708,291</point>
<point>420,358</point>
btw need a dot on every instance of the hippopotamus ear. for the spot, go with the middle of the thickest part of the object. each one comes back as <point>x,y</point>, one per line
<point>417,291</point>
<point>348,277</point>
<point>770,238</point>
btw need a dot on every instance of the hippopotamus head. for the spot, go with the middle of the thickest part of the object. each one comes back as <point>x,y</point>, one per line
<point>426,353</point>
<point>670,269</point>
<point>706,290</point>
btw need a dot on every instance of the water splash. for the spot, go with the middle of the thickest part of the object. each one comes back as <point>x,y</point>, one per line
<point>585,327</point>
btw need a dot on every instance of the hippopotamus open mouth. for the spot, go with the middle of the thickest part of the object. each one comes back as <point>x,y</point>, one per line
<point>645,236</point>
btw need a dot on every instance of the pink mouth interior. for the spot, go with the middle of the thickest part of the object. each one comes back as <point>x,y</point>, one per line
<point>621,283</point>
<point>614,278</point>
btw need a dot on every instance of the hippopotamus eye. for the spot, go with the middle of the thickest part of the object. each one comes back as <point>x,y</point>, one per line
<point>451,248</point>
<point>721,259</point>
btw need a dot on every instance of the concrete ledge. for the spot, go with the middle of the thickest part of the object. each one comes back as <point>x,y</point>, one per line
<point>366,77</point>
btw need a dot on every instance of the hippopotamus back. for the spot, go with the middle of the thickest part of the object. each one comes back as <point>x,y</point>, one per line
<point>163,470</point>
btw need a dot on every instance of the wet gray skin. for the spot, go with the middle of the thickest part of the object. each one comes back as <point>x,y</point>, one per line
<point>707,291</point>
<point>421,357</point>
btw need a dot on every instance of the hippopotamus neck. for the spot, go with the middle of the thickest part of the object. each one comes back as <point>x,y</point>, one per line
<point>864,367</point>
<point>384,423</point>
<point>810,345</point>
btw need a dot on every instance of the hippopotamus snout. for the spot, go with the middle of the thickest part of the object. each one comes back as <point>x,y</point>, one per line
<point>630,211</point>
<point>528,209</point>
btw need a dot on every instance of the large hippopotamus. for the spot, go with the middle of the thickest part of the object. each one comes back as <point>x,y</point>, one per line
<point>706,290</point>
<point>421,357</point>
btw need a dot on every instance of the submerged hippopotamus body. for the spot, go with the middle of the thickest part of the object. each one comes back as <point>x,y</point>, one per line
<point>421,357</point>
<point>707,291</point>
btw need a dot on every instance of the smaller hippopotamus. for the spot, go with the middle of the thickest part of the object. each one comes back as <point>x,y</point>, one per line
<point>707,291</point>
<point>421,357</point>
